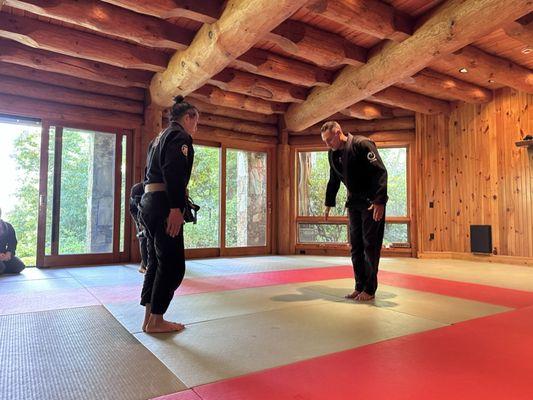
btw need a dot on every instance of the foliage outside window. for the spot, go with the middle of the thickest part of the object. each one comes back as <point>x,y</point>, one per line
<point>313,175</point>
<point>204,189</point>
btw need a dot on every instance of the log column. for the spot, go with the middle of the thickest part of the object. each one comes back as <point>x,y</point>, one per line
<point>284,221</point>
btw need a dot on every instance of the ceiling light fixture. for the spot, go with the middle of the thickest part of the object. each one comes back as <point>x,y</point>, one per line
<point>463,70</point>
<point>527,50</point>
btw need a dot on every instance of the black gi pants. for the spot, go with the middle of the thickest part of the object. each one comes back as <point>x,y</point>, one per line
<point>13,266</point>
<point>366,239</point>
<point>166,254</point>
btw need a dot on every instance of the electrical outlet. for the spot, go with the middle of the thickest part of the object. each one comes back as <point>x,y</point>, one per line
<point>431,204</point>
<point>431,236</point>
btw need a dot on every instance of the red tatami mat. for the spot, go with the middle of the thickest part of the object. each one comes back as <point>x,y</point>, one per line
<point>470,291</point>
<point>487,358</point>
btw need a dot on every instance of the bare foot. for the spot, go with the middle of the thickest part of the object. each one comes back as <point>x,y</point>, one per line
<point>156,324</point>
<point>147,313</point>
<point>352,295</point>
<point>364,296</point>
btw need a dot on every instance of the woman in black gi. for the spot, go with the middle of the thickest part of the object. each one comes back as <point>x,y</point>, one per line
<point>169,164</point>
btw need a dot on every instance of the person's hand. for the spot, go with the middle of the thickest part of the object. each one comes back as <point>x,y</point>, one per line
<point>174,222</point>
<point>3,257</point>
<point>8,256</point>
<point>379,210</point>
<point>326,213</point>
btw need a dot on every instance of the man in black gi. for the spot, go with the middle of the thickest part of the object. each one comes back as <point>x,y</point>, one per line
<point>355,161</point>
<point>169,165</point>
<point>136,193</point>
<point>9,264</point>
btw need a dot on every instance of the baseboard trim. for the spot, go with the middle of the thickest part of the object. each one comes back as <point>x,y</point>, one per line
<point>514,260</point>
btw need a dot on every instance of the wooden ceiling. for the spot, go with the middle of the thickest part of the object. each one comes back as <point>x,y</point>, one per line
<point>256,60</point>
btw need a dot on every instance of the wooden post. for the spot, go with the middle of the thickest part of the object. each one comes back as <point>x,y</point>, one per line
<point>284,194</point>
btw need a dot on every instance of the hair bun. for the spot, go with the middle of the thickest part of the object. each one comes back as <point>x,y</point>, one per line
<point>178,99</point>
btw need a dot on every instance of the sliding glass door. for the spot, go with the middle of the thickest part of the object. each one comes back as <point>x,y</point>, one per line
<point>83,196</point>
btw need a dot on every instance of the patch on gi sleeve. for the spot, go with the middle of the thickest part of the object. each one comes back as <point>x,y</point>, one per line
<point>185,150</point>
<point>371,156</point>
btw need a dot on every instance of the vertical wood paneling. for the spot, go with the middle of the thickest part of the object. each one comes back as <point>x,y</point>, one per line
<point>489,179</point>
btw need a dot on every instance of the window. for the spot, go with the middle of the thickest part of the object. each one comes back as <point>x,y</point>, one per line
<point>204,190</point>
<point>246,198</point>
<point>313,176</point>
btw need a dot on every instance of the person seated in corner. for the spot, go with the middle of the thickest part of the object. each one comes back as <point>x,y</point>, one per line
<point>9,264</point>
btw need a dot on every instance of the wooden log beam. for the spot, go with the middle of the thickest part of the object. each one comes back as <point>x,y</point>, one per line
<point>267,64</point>
<point>366,110</point>
<point>396,97</point>
<point>257,86</point>
<point>43,91</point>
<point>70,42</point>
<point>320,47</point>
<point>442,86</point>
<point>237,125</point>
<point>84,85</point>
<point>63,113</point>
<point>356,126</point>
<point>377,136</point>
<point>218,97</point>
<point>110,20</point>
<point>222,135</point>
<point>216,45</point>
<point>521,30</point>
<point>201,11</point>
<point>16,53</point>
<point>233,113</point>
<point>455,24</point>
<point>370,16</point>
<point>491,67</point>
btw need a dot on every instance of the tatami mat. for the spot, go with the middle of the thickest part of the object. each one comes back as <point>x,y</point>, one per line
<point>79,353</point>
<point>223,348</point>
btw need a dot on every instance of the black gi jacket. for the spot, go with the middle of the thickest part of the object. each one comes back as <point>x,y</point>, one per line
<point>359,166</point>
<point>170,161</point>
<point>8,239</point>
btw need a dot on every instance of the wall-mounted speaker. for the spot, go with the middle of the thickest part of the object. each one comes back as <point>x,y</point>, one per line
<point>481,239</point>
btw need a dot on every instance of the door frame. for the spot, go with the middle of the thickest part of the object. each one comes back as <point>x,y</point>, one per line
<point>56,260</point>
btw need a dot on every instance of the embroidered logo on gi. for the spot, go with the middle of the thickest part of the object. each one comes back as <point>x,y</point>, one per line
<point>371,156</point>
<point>185,150</point>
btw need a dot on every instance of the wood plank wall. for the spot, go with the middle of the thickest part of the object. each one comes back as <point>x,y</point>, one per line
<point>471,170</point>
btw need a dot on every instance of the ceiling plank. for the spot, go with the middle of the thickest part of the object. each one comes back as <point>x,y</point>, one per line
<point>110,20</point>
<point>373,17</point>
<point>201,11</point>
<point>71,82</point>
<point>490,67</point>
<point>44,91</point>
<point>446,87</point>
<point>70,42</point>
<point>258,86</point>
<point>216,96</point>
<point>16,53</point>
<point>453,26</point>
<point>217,45</point>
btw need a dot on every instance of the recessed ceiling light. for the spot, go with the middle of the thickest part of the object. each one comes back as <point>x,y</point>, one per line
<point>463,70</point>
<point>491,80</point>
<point>527,50</point>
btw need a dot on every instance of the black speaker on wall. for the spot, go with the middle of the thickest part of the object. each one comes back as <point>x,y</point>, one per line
<point>481,239</point>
